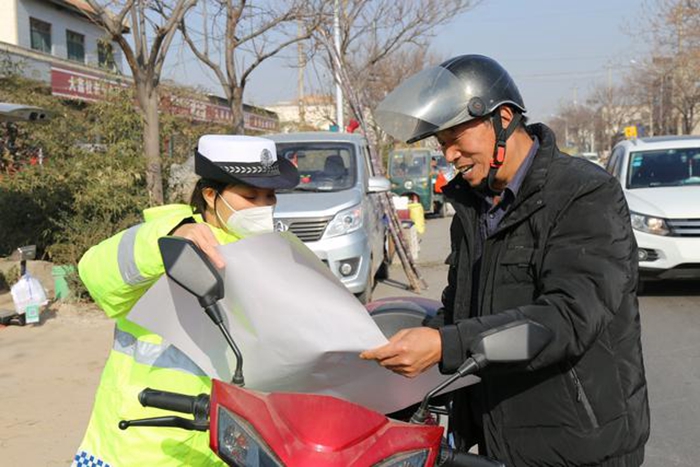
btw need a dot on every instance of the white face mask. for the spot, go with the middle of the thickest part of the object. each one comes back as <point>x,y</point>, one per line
<point>250,221</point>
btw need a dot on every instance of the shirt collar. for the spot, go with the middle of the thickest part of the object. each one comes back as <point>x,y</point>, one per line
<point>511,190</point>
<point>517,180</point>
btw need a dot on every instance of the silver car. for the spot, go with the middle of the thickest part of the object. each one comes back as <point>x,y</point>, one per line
<point>335,209</point>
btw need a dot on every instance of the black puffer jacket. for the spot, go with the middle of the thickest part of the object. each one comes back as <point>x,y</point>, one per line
<point>563,256</point>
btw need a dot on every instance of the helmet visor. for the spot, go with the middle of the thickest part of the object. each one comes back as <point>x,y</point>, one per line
<point>427,102</point>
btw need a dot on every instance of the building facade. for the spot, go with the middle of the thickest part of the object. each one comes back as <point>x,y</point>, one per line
<point>54,42</point>
<point>313,112</point>
<point>39,33</point>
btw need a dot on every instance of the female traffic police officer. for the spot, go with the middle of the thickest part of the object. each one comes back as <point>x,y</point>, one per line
<point>233,199</point>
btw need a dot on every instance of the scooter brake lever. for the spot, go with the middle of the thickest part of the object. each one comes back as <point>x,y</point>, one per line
<point>169,421</point>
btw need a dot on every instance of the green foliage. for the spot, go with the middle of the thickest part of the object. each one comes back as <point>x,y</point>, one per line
<point>78,291</point>
<point>91,184</point>
<point>4,285</point>
<point>78,196</point>
<point>22,142</point>
<point>12,275</point>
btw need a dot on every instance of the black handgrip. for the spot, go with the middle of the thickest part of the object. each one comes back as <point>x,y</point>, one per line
<point>167,401</point>
<point>450,458</point>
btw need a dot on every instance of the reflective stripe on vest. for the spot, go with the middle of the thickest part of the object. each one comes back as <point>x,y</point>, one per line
<point>127,259</point>
<point>156,355</point>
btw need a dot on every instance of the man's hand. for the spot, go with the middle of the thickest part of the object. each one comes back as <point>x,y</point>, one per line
<point>409,352</point>
<point>202,236</point>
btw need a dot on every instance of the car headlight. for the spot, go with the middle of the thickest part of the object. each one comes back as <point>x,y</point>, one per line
<point>345,222</point>
<point>649,224</point>
<point>406,459</point>
<point>408,184</point>
<point>240,445</point>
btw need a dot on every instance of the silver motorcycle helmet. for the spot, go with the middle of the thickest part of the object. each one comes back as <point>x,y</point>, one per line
<point>456,91</point>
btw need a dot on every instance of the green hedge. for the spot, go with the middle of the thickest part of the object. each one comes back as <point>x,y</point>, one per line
<point>79,195</point>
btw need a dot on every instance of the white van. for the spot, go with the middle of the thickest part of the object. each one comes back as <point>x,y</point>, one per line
<point>335,209</point>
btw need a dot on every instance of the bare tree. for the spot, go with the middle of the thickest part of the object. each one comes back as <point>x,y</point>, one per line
<point>386,75</point>
<point>382,42</point>
<point>151,43</point>
<point>614,108</point>
<point>251,34</point>
<point>672,73</point>
<point>685,97</point>
<point>574,126</point>
<point>372,31</point>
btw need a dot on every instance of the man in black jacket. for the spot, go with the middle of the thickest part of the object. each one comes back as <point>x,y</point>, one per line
<point>537,235</point>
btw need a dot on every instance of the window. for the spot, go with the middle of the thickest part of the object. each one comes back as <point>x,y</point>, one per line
<point>76,46</point>
<point>105,55</point>
<point>40,35</point>
<point>615,162</point>
<point>663,167</point>
<point>322,166</point>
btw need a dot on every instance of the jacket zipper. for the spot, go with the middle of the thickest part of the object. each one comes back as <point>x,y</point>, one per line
<point>583,399</point>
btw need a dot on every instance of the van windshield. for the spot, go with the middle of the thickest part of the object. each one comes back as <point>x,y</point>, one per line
<point>408,164</point>
<point>666,167</point>
<point>322,166</point>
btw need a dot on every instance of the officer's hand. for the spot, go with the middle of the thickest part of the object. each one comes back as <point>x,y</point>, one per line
<point>202,236</point>
<point>409,352</point>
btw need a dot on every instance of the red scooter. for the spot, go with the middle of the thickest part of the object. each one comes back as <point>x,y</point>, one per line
<point>251,428</point>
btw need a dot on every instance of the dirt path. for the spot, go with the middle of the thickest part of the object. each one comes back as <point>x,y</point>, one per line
<point>48,376</point>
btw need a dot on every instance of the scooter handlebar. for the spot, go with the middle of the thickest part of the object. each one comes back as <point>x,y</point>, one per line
<point>167,401</point>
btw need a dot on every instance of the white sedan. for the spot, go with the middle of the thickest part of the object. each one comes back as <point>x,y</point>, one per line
<point>661,180</point>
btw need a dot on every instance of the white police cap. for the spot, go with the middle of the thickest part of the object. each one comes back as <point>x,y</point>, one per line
<point>243,159</point>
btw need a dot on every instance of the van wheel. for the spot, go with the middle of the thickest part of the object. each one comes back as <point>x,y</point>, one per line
<point>383,271</point>
<point>366,295</point>
<point>389,252</point>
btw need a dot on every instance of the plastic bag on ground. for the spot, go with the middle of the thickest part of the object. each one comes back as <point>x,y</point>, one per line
<point>26,292</point>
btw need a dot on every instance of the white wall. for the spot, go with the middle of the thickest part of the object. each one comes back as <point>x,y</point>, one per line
<point>60,20</point>
<point>8,21</point>
<point>314,115</point>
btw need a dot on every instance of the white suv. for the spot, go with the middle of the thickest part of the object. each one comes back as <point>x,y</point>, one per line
<point>661,180</point>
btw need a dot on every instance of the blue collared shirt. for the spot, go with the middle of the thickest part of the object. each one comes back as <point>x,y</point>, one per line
<point>491,215</point>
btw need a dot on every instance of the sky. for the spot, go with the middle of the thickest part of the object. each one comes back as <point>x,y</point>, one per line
<point>556,50</point>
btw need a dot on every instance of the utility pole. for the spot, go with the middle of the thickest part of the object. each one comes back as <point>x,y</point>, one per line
<point>301,63</point>
<point>338,88</point>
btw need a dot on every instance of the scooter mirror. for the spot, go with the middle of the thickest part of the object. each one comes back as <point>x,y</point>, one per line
<point>519,341</point>
<point>186,264</point>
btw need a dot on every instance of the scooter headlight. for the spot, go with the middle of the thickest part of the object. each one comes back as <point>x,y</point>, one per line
<point>406,459</point>
<point>240,445</point>
<point>345,222</point>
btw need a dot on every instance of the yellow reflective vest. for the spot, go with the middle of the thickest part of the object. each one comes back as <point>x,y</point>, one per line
<point>117,272</point>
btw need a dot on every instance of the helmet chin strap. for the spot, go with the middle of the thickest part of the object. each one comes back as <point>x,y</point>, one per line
<point>487,187</point>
